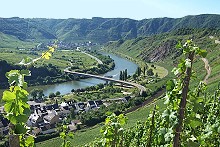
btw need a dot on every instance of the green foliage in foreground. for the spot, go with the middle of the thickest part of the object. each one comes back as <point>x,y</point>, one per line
<point>64,135</point>
<point>16,108</point>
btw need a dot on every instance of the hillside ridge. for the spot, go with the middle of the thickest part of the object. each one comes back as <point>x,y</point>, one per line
<point>99,29</point>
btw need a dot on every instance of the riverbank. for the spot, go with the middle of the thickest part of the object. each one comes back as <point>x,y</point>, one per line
<point>161,71</point>
<point>66,87</point>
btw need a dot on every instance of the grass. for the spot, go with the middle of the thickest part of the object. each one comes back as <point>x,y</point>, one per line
<point>142,113</point>
<point>80,138</point>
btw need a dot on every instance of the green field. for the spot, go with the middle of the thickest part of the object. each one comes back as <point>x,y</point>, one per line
<point>76,58</point>
<point>60,59</point>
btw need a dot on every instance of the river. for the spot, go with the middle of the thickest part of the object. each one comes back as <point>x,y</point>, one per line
<point>66,87</point>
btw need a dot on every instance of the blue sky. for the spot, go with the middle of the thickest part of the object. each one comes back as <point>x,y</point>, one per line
<point>135,9</point>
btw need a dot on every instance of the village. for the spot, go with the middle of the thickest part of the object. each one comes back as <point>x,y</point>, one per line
<point>44,118</point>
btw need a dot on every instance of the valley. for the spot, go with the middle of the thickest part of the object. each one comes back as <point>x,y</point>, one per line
<point>117,65</point>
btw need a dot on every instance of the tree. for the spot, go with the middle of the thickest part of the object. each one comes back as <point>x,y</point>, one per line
<point>57,93</point>
<point>121,76</point>
<point>52,95</point>
<point>150,72</point>
<point>125,74</point>
<point>138,71</point>
<point>134,76</point>
<point>100,86</point>
<point>40,94</point>
<point>33,93</point>
<point>144,70</point>
<point>37,94</point>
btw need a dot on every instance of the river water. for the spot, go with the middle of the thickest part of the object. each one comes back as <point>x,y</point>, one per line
<point>66,87</point>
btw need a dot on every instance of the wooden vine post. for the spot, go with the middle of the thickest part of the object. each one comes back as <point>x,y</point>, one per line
<point>182,106</point>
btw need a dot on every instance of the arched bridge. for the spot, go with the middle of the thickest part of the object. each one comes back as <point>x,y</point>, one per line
<point>140,87</point>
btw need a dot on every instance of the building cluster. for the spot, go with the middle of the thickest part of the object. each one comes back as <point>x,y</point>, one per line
<point>67,45</point>
<point>44,118</point>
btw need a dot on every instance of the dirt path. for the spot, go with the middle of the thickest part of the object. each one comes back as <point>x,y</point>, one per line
<point>208,69</point>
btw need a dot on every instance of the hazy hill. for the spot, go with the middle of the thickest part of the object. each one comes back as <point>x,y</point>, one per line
<point>160,46</point>
<point>24,29</point>
<point>100,29</point>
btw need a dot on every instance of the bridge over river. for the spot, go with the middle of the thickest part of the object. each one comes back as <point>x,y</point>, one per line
<point>140,87</point>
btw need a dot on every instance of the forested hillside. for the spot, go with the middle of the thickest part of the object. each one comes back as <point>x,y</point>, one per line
<point>98,29</point>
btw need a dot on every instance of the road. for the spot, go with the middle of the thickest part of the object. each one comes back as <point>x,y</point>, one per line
<point>98,60</point>
<point>140,87</point>
<point>208,69</point>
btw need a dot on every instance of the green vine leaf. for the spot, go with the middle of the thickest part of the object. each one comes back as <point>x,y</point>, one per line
<point>29,142</point>
<point>8,96</point>
<point>179,45</point>
<point>71,135</point>
<point>62,135</point>
<point>8,107</point>
<point>195,123</point>
<point>12,118</point>
<point>202,53</point>
<point>170,85</point>
<point>20,129</point>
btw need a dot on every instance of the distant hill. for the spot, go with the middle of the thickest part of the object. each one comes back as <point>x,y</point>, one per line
<point>161,46</point>
<point>24,29</point>
<point>99,29</point>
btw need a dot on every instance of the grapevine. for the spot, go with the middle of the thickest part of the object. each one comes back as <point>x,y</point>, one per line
<point>16,108</point>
